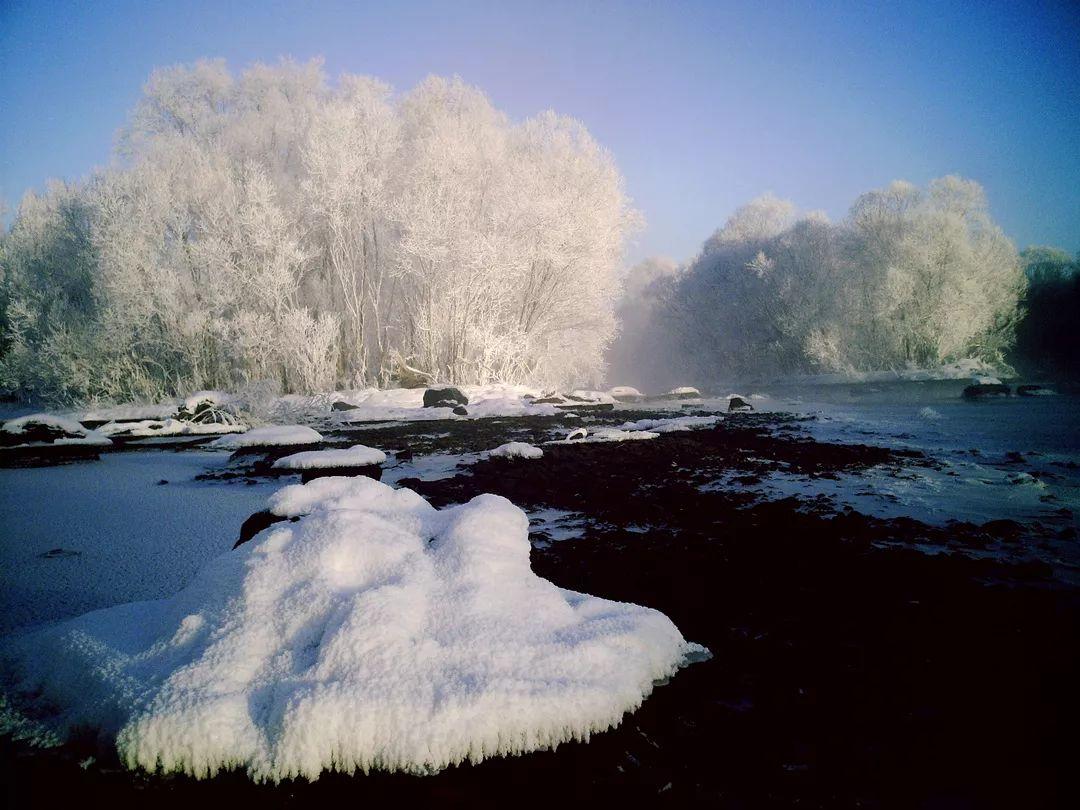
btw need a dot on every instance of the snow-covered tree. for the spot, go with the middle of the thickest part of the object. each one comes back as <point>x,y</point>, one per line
<point>275,226</point>
<point>908,278</point>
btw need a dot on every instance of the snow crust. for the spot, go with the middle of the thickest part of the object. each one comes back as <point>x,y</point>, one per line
<point>358,455</point>
<point>517,450</point>
<point>78,434</point>
<point>673,424</point>
<point>270,436</point>
<point>375,633</point>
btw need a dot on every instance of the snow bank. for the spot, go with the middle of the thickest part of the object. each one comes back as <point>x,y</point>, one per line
<point>407,404</point>
<point>673,424</point>
<point>272,436</point>
<point>516,450</point>
<point>358,455</point>
<point>375,632</point>
<point>58,429</point>
<point>167,427</point>
<point>600,435</point>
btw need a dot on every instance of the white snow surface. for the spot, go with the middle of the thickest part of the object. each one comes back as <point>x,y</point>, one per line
<point>375,632</point>
<point>359,455</point>
<point>673,424</point>
<point>625,391</point>
<point>167,427</point>
<point>270,436</point>
<point>80,435</point>
<point>604,434</point>
<point>517,450</point>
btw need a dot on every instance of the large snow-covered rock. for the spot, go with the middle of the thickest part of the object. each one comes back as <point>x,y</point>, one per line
<point>358,455</point>
<point>48,430</point>
<point>270,436</point>
<point>516,450</point>
<point>374,632</point>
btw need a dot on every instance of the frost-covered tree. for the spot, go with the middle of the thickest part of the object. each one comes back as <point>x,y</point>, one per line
<point>909,278</point>
<point>275,226</point>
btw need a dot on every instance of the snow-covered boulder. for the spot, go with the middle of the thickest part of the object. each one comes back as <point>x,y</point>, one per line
<point>374,632</point>
<point>625,393</point>
<point>270,436</point>
<point>516,450</point>
<point>311,464</point>
<point>48,430</point>
<point>685,392</point>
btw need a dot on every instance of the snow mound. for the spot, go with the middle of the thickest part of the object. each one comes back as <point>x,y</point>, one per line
<point>375,632</point>
<point>985,379</point>
<point>672,425</point>
<point>271,436</point>
<point>358,455</point>
<point>517,450</point>
<point>45,429</point>
<point>601,435</point>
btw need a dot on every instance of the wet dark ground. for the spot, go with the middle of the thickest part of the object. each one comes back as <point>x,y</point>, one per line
<point>849,669</point>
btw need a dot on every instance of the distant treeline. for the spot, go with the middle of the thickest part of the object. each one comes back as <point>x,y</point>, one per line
<point>910,278</point>
<point>1048,338</point>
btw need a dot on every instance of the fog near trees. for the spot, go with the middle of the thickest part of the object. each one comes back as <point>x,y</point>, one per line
<point>910,277</point>
<point>272,226</point>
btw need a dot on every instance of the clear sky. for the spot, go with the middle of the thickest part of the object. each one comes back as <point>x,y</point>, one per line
<point>704,105</point>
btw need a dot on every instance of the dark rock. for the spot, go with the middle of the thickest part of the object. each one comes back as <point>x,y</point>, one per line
<point>342,405</point>
<point>1034,391</point>
<point>739,405</point>
<point>370,470</point>
<point>448,397</point>
<point>256,523</point>
<point>460,411</point>
<point>980,390</point>
<point>162,482</point>
<point>59,554</point>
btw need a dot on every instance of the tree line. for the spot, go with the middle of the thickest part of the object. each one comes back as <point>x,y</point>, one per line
<point>273,225</point>
<point>910,278</point>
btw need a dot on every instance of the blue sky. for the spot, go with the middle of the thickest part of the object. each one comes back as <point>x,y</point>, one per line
<point>704,105</point>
